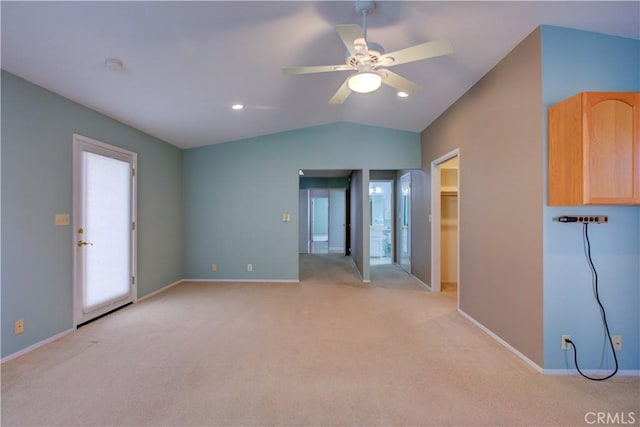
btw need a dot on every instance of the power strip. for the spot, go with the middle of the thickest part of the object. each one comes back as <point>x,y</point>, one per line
<point>583,219</point>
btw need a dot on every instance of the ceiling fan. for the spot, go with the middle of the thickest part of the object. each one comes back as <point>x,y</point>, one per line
<point>369,61</point>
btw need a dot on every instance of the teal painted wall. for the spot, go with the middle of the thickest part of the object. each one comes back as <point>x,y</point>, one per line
<point>324,182</point>
<point>576,61</point>
<point>235,194</point>
<point>37,257</point>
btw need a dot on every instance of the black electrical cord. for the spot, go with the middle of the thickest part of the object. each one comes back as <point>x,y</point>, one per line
<point>594,278</point>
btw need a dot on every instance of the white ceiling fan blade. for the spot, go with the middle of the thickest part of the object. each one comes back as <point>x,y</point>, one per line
<point>316,69</point>
<point>417,53</point>
<point>398,82</point>
<point>341,94</point>
<point>348,34</point>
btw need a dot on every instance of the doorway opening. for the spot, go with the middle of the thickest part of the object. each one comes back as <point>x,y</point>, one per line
<point>381,222</point>
<point>322,228</point>
<point>319,227</point>
<point>445,230</point>
<point>404,223</point>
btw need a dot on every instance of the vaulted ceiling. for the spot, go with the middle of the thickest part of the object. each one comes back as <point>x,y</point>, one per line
<point>186,63</point>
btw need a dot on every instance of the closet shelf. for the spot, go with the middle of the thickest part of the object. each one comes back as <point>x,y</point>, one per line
<point>448,191</point>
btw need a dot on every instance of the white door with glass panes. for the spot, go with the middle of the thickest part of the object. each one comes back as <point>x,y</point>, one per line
<point>104,228</point>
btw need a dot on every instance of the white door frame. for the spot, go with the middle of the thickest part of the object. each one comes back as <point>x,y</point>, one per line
<point>303,221</point>
<point>80,143</point>
<point>435,220</point>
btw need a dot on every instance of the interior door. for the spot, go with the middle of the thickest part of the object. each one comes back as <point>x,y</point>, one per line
<point>405,223</point>
<point>104,225</point>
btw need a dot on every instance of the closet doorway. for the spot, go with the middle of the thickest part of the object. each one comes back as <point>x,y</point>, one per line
<point>449,225</point>
<point>445,209</point>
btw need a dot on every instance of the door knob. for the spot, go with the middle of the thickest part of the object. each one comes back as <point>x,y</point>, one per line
<point>83,243</point>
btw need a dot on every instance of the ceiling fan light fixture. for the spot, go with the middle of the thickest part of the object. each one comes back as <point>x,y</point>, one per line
<point>365,82</point>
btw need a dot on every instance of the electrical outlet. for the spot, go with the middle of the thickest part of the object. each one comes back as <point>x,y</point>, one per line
<point>617,342</point>
<point>18,327</point>
<point>249,267</point>
<point>563,344</point>
<point>214,267</point>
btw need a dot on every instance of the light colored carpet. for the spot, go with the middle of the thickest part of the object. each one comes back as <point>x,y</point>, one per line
<point>329,351</point>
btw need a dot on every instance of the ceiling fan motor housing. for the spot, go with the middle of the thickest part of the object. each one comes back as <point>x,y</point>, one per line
<point>375,51</point>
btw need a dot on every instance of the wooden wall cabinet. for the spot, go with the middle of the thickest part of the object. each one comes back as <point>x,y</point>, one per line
<point>594,149</point>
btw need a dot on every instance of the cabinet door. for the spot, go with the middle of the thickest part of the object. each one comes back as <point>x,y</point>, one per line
<point>612,148</point>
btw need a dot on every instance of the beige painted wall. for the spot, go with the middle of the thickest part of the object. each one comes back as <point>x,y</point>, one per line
<point>497,125</point>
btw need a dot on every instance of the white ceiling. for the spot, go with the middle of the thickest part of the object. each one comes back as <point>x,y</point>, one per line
<point>185,63</point>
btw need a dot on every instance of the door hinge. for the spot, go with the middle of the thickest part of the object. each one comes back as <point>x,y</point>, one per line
<point>133,171</point>
<point>133,225</point>
<point>133,280</point>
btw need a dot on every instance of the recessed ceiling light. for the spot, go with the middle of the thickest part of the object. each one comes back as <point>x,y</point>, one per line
<point>403,94</point>
<point>237,106</point>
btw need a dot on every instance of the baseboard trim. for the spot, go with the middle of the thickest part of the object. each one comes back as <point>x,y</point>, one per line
<point>244,280</point>
<point>170,285</point>
<point>353,262</point>
<point>592,372</point>
<point>421,282</point>
<point>501,341</point>
<point>36,345</point>
<point>68,331</point>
